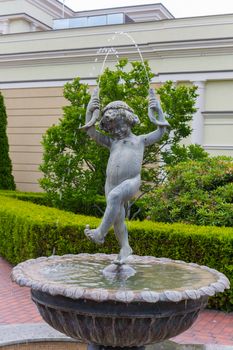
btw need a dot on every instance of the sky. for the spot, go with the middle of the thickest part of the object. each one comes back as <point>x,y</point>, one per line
<point>178,8</point>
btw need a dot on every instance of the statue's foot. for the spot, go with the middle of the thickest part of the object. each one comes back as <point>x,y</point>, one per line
<point>94,234</point>
<point>125,252</point>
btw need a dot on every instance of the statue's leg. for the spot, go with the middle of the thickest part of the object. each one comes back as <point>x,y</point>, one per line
<point>115,199</point>
<point>121,233</point>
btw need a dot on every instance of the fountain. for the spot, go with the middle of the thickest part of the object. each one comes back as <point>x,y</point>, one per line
<point>160,301</point>
<point>121,301</point>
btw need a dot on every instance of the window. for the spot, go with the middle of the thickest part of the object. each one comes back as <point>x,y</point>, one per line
<point>91,21</point>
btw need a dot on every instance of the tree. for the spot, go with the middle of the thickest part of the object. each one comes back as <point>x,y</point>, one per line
<point>70,159</point>
<point>6,177</point>
<point>74,166</point>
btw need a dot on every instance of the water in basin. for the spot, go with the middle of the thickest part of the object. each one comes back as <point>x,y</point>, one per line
<point>87,273</point>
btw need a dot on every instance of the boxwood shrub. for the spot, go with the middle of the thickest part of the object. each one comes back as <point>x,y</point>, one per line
<point>28,230</point>
<point>34,197</point>
<point>94,207</point>
<point>194,192</point>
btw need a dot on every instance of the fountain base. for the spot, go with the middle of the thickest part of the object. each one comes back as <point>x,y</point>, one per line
<point>101,347</point>
<point>160,301</point>
<point>117,324</point>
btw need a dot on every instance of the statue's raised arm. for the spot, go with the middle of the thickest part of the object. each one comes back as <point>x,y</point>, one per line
<point>161,122</point>
<point>92,116</point>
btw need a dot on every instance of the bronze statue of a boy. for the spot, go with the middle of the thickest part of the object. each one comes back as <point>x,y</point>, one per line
<point>124,164</point>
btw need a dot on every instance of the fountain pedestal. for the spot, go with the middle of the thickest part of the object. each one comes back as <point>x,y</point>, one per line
<point>160,301</point>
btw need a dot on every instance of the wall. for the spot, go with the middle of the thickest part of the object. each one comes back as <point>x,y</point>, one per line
<point>19,26</point>
<point>30,112</point>
<point>218,118</point>
<point>42,11</point>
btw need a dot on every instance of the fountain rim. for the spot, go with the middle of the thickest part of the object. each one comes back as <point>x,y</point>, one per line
<point>20,276</point>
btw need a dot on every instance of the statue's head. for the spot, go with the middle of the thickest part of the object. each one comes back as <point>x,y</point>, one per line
<point>117,117</point>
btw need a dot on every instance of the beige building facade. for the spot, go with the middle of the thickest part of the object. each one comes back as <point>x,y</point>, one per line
<point>36,60</point>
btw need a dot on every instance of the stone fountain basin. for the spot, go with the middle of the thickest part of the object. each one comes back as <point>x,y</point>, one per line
<point>160,301</point>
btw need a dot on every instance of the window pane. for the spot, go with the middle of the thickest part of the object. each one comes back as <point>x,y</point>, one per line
<point>97,20</point>
<point>116,18</point>
<point>78,22</point>
<point>61,23</point>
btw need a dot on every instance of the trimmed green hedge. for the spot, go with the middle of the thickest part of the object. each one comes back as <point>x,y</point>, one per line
<point>34,197</point>
<point>28,230</point>
<point>95,207</point>
<point>91,208</point>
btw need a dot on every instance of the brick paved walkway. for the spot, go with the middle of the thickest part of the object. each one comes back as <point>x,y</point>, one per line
<point>15,302</point>
<point>212,327</point>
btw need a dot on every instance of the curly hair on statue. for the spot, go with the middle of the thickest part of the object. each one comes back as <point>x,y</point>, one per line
<point>119,110</point>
